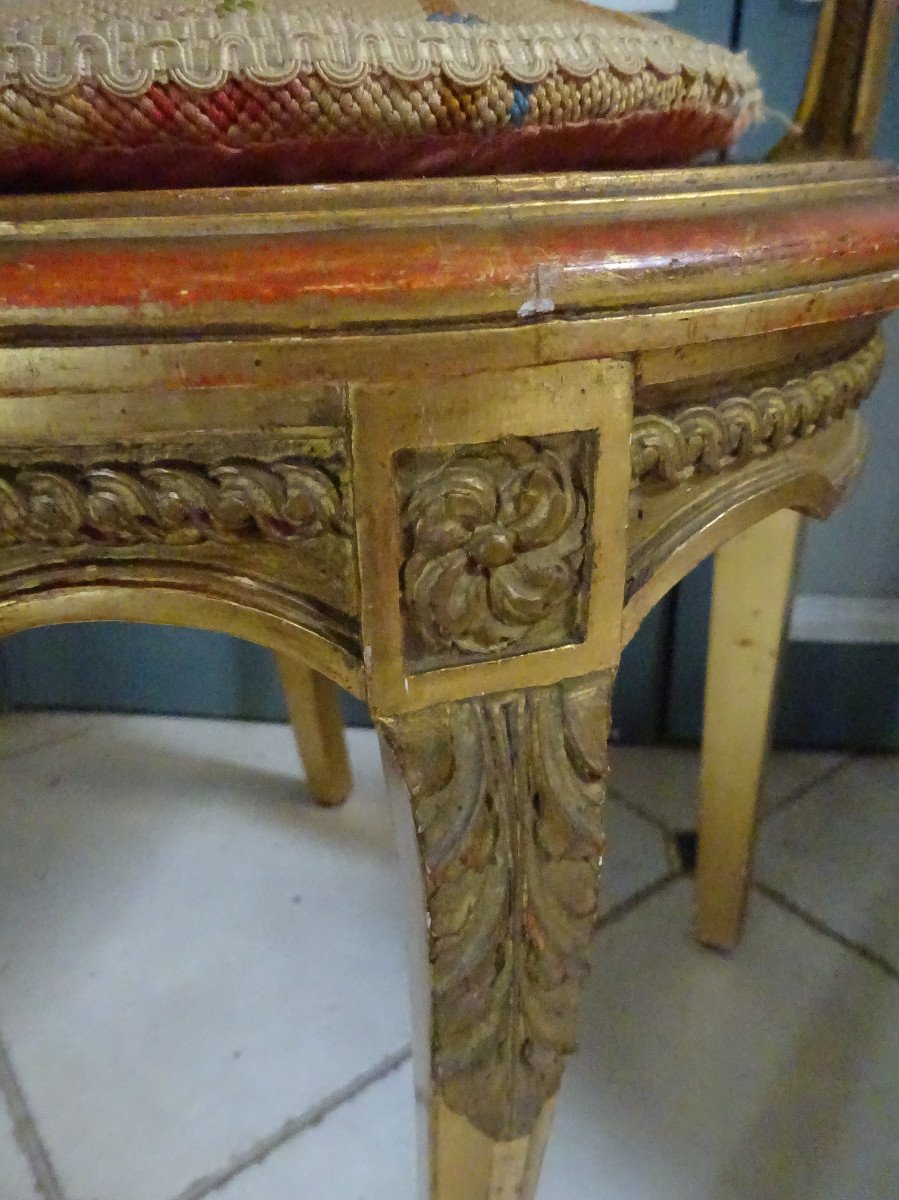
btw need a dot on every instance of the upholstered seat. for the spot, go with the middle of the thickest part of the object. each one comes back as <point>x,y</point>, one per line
<point>121,93</point>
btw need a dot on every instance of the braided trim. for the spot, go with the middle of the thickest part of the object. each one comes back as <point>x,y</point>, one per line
<point>176,504</point>
<point>708,439</point>
<point>273,42</point>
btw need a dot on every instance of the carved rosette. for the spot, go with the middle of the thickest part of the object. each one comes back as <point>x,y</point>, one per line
<point>708,439</point>
<point>507,797</point>
<point>171,503</point>
<point>497,541</point>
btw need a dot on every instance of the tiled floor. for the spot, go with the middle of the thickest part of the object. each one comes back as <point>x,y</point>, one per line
<point>202,983</point>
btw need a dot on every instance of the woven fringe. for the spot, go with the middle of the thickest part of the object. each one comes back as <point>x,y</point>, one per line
<point>640,140</point>
<point>243,113</point>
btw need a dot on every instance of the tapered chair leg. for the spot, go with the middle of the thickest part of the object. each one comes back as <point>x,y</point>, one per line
<point>498,804</point>
<point>315,715</point>
<point>751,600</point>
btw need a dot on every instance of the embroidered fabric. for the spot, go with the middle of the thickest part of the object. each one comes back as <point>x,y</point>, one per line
<point>128,46</point>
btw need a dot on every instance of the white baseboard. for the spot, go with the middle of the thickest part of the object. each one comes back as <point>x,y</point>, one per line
<point>849,620</point>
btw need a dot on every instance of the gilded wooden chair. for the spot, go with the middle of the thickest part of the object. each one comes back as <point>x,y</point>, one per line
<point>314,711</point>
<point>445,443</point>
<point>754,572</point>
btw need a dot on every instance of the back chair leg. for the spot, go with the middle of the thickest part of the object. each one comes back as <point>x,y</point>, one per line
<point>751,600</point>
<point>315,715</point>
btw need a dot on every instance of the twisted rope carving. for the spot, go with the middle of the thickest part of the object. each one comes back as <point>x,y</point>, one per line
<point>709,439</point>
<point>176,504</point>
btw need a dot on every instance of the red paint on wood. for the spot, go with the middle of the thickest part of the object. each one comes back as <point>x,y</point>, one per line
<point>410,268</point>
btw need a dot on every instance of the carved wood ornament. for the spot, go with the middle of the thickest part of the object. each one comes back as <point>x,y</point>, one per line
<point>507,795</point>
<point>176,503</point>
<point>497,540</point>
<point>709,439</point>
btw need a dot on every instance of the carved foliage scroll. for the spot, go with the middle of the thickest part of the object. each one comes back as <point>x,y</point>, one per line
<point>497,545</point>
<point>507,797</point>
<point>172,503</point>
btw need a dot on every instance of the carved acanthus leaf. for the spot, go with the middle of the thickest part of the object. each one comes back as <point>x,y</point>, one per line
<point>507,798</point>
<point>705,438</point>
<point>173,503</point>
<point>497,539</point>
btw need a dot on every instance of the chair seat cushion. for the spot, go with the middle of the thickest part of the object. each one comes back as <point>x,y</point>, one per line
<point>150,93</point>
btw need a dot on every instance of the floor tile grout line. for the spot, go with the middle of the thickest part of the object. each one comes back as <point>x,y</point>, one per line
<point>638,810</point>
<point>801,790</point>
<point>25,1130</point>
<point>765,811</point>
<point>61,740</point>
<point>624,907</point>
<point>859,949</point>
<point>208,1185</point>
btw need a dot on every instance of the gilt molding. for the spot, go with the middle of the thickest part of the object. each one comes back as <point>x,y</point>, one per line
<point>707,439</point>
<point>497,545</point>
<point>507,795</point>
<point>844,88</point>
<point>170,503</point>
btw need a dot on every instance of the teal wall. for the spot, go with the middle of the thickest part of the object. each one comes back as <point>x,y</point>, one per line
<point>844,696</point>
<point>139,668</point>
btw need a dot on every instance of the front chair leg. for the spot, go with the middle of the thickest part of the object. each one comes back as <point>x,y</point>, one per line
<point>314,710</point>
<point>751,596</point>
<point>504,841</point>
